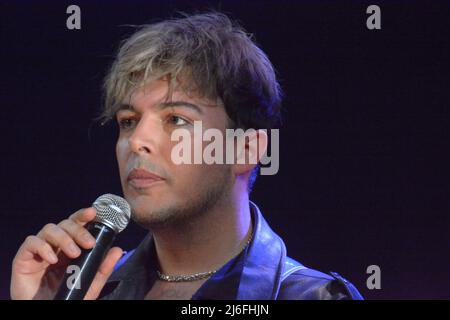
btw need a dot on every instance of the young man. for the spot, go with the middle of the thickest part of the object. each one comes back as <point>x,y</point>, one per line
<point>207,240</point>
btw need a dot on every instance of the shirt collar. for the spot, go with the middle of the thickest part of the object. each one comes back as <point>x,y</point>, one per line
<point>253,274</point>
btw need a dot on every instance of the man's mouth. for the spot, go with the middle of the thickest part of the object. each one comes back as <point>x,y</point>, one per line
<point>140,178</point>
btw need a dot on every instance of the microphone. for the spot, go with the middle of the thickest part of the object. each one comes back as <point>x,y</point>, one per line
<point>113,215</point>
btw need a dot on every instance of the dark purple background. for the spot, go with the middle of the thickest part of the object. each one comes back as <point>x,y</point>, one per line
<point>364,149</point>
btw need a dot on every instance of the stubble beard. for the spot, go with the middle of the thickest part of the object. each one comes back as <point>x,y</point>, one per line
<point>185,214</point>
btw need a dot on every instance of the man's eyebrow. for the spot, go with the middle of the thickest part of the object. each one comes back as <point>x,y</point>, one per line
<point>181,104</point>
<point>163,105</point>
<point>125,106</point>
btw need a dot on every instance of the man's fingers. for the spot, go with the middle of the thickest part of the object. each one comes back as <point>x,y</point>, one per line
<point>80,234</point>
<point>35,246</point>
<point>105,270</point>
<point>84,216</point>
<point>58,238</point>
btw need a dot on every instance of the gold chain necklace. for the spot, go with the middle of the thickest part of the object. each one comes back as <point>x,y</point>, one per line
<point>195,276</point>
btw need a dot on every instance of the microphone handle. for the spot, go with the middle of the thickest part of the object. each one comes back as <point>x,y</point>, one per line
<point>83,269</point>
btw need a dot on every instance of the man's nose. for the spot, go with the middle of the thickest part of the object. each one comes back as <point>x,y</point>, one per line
<point>145,135</point>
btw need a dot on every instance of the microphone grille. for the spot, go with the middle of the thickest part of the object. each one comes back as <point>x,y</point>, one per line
<point>112,210</point>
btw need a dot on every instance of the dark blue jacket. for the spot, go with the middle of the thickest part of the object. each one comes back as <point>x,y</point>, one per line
<point>262,271</point>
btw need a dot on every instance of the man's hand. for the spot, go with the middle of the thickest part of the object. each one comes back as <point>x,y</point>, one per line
<point>39,265</point>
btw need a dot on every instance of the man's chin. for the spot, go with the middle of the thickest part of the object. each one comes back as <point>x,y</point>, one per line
<point>156,219</point>
<point>153,191</point>
<point>145,202</point>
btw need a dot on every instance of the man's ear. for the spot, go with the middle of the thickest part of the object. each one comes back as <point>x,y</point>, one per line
<point>250,150</point>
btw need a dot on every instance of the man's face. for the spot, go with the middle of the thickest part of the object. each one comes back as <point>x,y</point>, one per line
<point>146,123</point>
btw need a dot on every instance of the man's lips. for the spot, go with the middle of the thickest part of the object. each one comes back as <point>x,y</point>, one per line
<point>141,178</point>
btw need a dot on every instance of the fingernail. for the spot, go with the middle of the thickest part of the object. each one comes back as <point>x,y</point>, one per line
<point>88,238</point>
<point>52,257</point>
<point>73,248</point>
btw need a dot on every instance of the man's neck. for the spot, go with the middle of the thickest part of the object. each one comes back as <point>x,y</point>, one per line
<point>208,242</point>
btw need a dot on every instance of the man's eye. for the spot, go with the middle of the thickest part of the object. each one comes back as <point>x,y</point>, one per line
<point>177,121</point>
<point>125,123</point>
